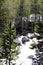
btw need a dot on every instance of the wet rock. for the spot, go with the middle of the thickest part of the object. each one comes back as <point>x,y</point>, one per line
<point>25,39</point>
<point>30,35</point>
<point>33,46</point>
<point>37,34</point>
<point>41,40</point>
<point>30,57</point>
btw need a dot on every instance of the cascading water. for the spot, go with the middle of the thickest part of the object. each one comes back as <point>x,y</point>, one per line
<point>26,53</point>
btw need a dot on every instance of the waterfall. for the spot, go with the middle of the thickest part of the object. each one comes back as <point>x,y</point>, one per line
<point>26,53</point>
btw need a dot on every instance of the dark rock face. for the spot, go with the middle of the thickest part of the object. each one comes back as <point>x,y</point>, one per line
<point>29,29</point>
<point>27,23</point>
<point>18,30</point>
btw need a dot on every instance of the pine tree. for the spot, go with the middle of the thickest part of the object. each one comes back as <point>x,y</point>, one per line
<point>39,24</point>
<point>8,37</point>
<point>8,34</point>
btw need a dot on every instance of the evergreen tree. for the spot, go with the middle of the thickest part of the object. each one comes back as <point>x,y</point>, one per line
<point>8,34</point>
<point>39,24</point>
<point>8,37</point>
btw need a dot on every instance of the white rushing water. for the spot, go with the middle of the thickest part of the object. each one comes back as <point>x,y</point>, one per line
<point>25,51</point>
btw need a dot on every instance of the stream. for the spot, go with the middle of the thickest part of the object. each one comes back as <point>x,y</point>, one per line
<point>27,55</point>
